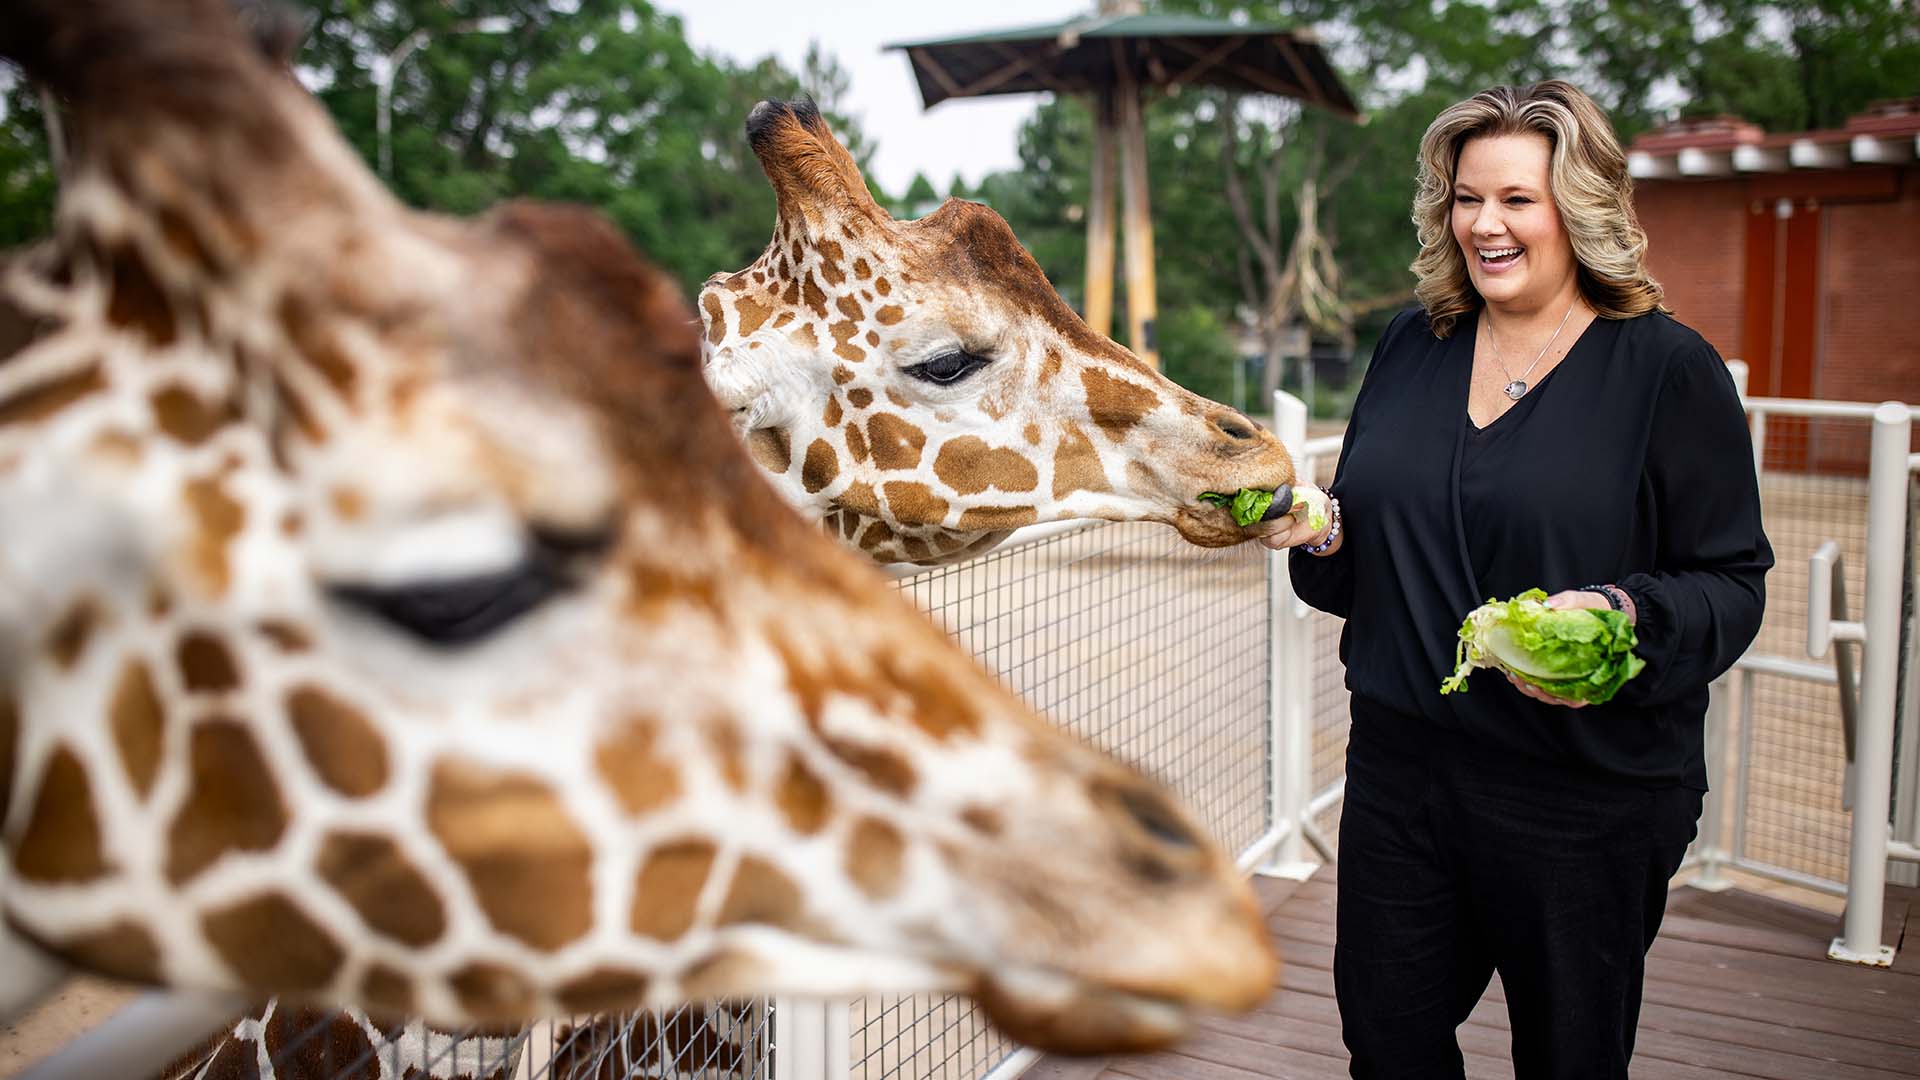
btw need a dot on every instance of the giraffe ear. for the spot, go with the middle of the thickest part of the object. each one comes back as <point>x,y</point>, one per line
<point>812,174</point>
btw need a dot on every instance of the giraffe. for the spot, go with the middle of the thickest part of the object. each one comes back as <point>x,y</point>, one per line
<point>921,389</point>
<point>389,618</point>
<point>279,1042</point>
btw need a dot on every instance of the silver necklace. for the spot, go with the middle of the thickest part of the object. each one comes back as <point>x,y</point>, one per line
<point>1516,387</point>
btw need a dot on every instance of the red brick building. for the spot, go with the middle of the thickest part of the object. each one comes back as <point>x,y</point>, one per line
<point>1797,253</point>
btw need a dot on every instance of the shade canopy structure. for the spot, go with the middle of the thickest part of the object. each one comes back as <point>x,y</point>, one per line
<point>1096,53</point>
<point>1112,57</point>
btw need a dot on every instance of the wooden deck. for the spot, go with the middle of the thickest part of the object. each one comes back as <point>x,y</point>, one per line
<point>1738,985</point>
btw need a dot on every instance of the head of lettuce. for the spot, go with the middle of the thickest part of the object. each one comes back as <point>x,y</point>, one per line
<point>1581,654</point>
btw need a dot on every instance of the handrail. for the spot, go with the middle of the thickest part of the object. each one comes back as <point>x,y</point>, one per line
<point>1807,407</point>
<point>1827,623</point>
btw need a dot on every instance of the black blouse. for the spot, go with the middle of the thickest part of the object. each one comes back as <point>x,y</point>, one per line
<point>1629,463</point>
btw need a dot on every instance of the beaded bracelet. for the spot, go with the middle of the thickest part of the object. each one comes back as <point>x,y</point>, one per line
<point>1333,531</point>
<point>1617,599</point>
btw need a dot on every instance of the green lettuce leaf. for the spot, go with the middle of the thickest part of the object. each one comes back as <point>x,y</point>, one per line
<point>1249,505</point>
<point>1582,654</point>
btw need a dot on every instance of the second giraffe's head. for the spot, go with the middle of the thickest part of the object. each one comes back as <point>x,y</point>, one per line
<point>922,386</point>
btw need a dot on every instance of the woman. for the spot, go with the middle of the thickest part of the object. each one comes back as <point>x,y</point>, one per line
<point>1541,420</point>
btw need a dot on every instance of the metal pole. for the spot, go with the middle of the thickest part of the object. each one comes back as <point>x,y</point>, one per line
<point>800,1039</point>
<point>1290,678</point>
<point>1886,533</point>
<point>1099,300</point>
<point>156,1027</point>
<point>1713,854</point>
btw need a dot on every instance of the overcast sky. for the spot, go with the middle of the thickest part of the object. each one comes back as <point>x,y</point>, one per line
<point>971,137</point>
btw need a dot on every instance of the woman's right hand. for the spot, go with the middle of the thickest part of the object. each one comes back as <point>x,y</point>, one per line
<point>1293,532</point>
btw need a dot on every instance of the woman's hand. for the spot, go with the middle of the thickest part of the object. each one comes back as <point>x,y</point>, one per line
<point>1293,532</point>
<point>1568,600</point>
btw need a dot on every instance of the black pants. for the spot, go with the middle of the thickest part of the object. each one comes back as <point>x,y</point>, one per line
<point>1455,864</point>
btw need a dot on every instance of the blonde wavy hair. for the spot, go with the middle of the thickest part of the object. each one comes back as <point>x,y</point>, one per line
<point>1590,185</point>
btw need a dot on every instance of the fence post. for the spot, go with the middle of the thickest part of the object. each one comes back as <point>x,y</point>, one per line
<point>1290,683</point>
<point>1886,538</point>
<point>800,1040</point>
<point>1713,848</point>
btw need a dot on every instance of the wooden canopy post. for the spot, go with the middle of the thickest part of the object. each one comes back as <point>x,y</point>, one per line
<point>1138,221</point>
<point>1099,299</point>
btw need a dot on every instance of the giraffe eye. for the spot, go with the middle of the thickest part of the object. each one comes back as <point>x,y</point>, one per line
<point>947,368</point>
<point>463,610</point>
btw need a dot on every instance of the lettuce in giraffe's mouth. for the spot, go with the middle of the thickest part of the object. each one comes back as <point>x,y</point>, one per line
<point>1249,505</point>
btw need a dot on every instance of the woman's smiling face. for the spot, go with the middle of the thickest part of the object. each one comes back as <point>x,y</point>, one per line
<point>1506,223</point>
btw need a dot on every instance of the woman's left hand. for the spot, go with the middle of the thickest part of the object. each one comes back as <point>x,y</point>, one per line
<point>1572,598</point>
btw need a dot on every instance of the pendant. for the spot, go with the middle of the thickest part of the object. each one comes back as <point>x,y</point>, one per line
<point>1515,389</point>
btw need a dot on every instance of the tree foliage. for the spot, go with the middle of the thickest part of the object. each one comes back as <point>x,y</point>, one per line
<point>601,102</point>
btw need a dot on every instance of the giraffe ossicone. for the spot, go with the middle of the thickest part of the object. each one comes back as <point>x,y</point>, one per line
<point>388,617</point>
<point>921,388</point>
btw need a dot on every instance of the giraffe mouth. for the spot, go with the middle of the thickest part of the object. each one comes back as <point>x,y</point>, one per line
<point>1061,1015</point>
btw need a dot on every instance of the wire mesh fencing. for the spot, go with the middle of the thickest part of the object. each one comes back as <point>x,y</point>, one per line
<point>1131,639</point>
<point>723,1041</point>
<point>1789,815</point>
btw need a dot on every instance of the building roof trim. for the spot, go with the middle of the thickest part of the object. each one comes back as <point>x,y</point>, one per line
<point>1887,134</point>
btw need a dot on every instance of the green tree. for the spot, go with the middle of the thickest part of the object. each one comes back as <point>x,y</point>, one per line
<point>601,102</point>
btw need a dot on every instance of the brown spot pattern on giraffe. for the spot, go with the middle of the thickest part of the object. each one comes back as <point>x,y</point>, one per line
<point>1076,465</point>
<point>860,397</point>
<point>831,418</point>
<point>667,891</point>
<point>770,448</point>
<point>42,400</point>
<point>802,797</point>
<point>71,632</point>
<point>882,768</point>
<point>641,779</point>
<point>218,519</point>
<point>286,636</point>
<point>1117,405</point>
<point>896,443</point>
<point>341,744</point>
<point>820,468</point>
<point>914,503</point>
<point>491,992</point>
<point>890,314</point>
<point>859,498</point>
<point>752,314</point>
<point>763,894</point>
<point>124,950</point>
<point>987,518</point>
<point>206,665</point>
<point>61,842</point>
<point>138,721</point>
<point>875,858</point>
<point>232,801</point>
<point>317,343</point>
<point>716,319</point>
<point>527,861</point>
<point>857,440</point>
<point>372,874</point>
<point>969,466</point>
<point>270,943</point>
<point>184,417</point>
<point>842,375</point>
<point>601,990</point>
<point>137,301</point>
<point>388,989</point>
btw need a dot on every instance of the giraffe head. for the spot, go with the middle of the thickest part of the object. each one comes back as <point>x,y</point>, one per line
<point>922,387</point>
<point>388,616</point>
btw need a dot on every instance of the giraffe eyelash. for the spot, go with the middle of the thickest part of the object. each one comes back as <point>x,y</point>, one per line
<point>948,368</point>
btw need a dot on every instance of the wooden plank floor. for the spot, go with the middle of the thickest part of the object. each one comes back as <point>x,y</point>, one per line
<point>1738,985</point>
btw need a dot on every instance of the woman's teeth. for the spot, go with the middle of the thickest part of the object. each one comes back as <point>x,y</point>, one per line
<point>1494,256</point>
